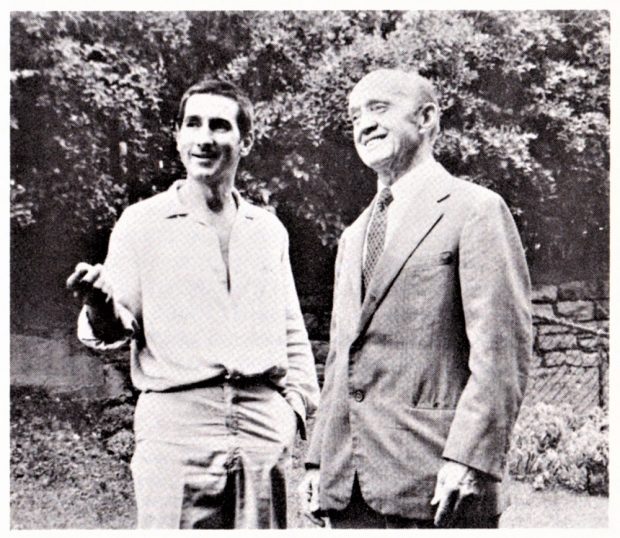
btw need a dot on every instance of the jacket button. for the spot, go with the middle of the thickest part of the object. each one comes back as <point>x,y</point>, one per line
<point>358,395</point>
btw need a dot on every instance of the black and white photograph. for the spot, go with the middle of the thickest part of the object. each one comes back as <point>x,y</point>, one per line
<point>310,269</point>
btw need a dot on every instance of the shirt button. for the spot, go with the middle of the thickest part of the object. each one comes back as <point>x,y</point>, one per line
<point>358,395</point>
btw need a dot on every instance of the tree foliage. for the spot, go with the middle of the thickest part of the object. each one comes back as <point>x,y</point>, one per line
<point>524,98</point>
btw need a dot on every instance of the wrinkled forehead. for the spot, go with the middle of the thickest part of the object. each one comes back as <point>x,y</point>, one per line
<point>383,84</point>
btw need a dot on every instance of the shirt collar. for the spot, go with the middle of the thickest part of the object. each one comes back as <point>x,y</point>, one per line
<point>410,184</point>
<point>174,206</point>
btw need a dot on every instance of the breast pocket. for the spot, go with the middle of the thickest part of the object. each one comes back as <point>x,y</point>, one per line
<point>427,286</point>
<point>445,258</point>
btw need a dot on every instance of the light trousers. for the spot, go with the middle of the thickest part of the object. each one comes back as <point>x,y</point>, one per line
<point>213,457</point>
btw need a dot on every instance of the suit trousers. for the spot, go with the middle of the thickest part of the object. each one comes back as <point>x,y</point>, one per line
<point>358,515</point>
<point>214,456</point>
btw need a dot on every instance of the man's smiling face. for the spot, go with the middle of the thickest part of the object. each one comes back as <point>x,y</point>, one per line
<point>384,110</point>
<point>208,139</point>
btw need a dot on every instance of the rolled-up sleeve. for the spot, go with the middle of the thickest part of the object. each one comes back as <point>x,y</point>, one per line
<point>120,270</point>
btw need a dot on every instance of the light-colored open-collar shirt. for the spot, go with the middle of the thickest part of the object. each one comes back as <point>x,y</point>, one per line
<point>170,288</point>
<point>403,190</point>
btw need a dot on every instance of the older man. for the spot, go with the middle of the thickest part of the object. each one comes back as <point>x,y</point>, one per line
<point>431,334</point>
<point>199,280</point>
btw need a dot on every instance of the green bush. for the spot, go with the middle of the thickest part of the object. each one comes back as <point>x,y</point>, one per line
<point>555,446</point>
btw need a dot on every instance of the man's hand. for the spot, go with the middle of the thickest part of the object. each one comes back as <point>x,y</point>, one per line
<point>457,486</point>
<point>308,491</point>
<point>88,284</point>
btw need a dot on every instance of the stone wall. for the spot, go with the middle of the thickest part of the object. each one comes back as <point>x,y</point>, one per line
<point>571,346</point>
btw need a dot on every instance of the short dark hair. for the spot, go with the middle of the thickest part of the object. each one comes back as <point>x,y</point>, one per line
<point>245,116</point>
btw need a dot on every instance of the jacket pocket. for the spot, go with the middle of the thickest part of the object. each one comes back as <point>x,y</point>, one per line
<point>442,258</point>
<point>422,438</point>
<point>426,419</point>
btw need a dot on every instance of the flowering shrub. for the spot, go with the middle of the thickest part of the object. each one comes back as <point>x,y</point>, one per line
<point>554,446</point>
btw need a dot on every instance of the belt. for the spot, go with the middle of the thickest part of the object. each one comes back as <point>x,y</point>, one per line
<point>235,380</point>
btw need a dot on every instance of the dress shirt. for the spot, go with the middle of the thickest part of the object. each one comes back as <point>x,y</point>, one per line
<point>170,288</point>
<point>403,190</point>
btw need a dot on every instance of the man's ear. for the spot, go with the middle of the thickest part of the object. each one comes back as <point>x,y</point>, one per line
<point>246,144</point>
<point>429,116</point>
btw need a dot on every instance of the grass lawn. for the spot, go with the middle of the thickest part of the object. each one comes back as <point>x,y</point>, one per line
<point>559,508</point>
<point>62,477</point>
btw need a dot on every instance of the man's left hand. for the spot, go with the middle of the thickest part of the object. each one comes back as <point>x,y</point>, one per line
<point>308,492</point>
<point>457,485</point>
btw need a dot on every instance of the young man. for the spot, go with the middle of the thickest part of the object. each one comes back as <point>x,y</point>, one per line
<point>431,334</point>
<point>200,282</point>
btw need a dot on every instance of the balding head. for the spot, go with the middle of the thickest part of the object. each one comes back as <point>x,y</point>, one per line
<point>406,83</point>
<point>395,118</point>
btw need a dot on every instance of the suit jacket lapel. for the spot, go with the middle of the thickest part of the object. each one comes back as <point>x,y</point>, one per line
<point>425,211</point>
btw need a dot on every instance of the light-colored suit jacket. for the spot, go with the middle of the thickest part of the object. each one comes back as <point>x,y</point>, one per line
<point>432,363</point>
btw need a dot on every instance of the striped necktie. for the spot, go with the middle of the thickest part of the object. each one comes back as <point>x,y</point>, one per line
<point>376,235</point>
